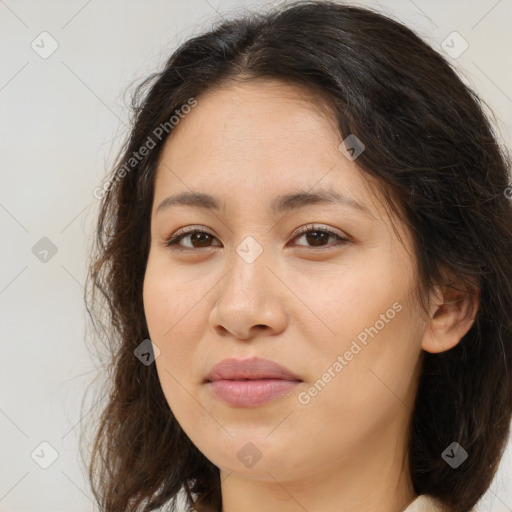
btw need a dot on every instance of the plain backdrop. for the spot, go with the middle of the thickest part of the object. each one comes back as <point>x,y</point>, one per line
<point>65,68</point>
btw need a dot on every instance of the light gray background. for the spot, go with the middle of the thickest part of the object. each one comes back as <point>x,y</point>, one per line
<point>62,121</point>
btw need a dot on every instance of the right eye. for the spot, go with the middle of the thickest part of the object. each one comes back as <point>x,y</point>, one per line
<point>191,233</point>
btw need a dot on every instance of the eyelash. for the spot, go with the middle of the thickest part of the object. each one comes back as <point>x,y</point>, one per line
<point>173,241</point>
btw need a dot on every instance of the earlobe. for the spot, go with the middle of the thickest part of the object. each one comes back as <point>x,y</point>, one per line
<point>451,316</point>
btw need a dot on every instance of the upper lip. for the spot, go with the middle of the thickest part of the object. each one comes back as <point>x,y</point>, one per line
<point>252,368</point>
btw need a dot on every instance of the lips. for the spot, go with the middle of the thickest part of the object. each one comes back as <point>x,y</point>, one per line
<point>250,369</point>
<point>250,382</point>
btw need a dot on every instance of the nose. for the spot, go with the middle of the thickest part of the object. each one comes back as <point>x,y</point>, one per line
<point>250,299</point>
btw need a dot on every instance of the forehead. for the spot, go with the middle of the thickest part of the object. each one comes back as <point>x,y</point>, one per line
<point>258,139</point>
<point>269,94</point>
<point>244,116</point>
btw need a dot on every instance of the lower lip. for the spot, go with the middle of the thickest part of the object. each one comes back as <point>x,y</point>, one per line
<point>251,393</point>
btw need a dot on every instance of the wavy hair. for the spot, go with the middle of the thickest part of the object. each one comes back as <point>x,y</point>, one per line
<point>431,147</point>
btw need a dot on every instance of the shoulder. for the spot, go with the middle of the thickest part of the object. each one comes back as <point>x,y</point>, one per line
<point>425,503</point>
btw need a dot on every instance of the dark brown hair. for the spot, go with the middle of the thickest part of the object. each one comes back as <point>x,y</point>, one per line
<point>427,141</point>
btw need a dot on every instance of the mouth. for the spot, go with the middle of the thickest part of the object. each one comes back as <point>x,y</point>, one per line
<point>249,369</point>
<point>251,392</point>
<point>250,382</point>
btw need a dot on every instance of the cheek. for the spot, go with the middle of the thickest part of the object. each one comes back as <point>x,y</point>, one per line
<point>166,305</point>
<point>173,314</point>
<point>375,328</point>
<point>156,303</point>
<point>379,380</point>
<point>357,298</point>
<point>168,315</point>
<point>373,388</point>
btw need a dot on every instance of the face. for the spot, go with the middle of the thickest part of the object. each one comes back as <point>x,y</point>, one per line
<point>324,289</point>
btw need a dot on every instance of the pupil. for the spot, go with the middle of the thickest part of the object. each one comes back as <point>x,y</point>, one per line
<point>317,238</point>
<point>197,237</point>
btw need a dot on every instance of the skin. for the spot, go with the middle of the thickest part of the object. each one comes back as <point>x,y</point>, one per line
<point>298,304</point>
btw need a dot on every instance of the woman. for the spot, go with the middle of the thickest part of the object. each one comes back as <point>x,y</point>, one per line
<point>305,250</point>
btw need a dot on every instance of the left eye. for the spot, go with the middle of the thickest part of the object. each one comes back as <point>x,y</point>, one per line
<point>314,236</point>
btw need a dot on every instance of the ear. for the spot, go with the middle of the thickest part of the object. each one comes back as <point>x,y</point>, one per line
<point>452,314</point>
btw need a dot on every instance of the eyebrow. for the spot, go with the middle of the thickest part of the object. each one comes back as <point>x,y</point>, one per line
<point>281,204</point>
